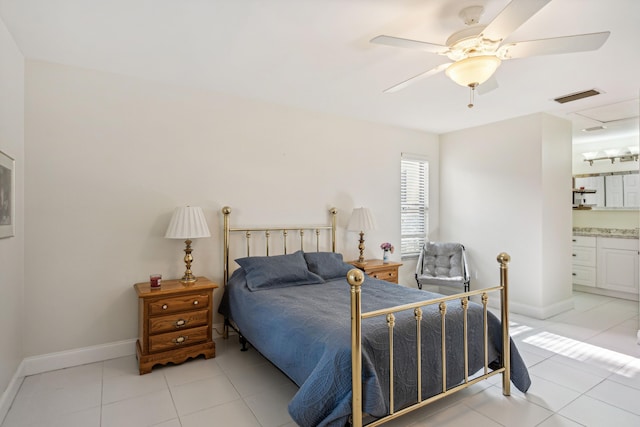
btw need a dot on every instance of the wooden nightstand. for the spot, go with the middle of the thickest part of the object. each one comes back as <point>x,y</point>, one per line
<point>379,270</point>
<point>174,322</point>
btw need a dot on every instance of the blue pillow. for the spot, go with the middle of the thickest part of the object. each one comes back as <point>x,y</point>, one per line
<point>278,271</point>
<point>328,265</point>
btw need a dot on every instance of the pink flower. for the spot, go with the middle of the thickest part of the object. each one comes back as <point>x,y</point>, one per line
<point>386,246</point>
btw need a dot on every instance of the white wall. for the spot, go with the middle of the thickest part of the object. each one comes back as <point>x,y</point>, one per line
<point>110,157</point>
<point>504,188</point>
<point>557,229</point>
<point>12,306</point>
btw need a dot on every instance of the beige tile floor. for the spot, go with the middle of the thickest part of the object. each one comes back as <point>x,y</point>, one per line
<point>585,368</point>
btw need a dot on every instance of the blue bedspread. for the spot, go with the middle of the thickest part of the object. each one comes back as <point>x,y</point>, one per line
<point>306,332</point>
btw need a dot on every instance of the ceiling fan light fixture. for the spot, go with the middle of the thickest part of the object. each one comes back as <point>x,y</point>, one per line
<point>474,70</point>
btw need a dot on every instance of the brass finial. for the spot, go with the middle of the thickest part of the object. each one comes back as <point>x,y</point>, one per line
<point>504,258</point>
<point>355,277</point>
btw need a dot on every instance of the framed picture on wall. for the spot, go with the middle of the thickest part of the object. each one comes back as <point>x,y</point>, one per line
<point>7,196</point>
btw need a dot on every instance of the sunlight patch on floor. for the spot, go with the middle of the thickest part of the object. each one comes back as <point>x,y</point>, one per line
<point>583,352</point>
<point>517,329</point>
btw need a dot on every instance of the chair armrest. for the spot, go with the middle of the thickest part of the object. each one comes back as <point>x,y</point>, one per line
<point>465,272</point>
<point>419,264</point>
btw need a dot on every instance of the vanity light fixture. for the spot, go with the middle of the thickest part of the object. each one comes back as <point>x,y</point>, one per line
<point>187,222</point>
<point>612,155</point>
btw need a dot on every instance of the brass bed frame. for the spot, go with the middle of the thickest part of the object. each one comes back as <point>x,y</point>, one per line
<point>355,278</point>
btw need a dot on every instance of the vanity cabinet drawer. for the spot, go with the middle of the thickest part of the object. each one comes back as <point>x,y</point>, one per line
<point>584,256</point>
<point>178,303</point>
<point>178,321</point>
<point>585,276</point>
<point>588,241</point>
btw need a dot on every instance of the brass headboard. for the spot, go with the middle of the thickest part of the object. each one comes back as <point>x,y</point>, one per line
<point>296,229</point>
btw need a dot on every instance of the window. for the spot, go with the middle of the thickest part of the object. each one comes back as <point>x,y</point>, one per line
<point>414,204</point>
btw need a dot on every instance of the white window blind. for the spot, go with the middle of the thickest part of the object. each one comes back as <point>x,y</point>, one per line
<point>414,204</point>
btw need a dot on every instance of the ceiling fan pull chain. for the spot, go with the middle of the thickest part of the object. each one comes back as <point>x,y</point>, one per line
<point>472,90</point>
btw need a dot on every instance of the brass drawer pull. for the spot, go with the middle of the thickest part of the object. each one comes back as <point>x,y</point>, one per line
<point>195,302</point>
<point>180,340</point>
<point>165,306</point>
<point>180,323</point>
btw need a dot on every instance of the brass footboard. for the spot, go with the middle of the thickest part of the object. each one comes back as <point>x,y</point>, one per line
<point>355,278</point>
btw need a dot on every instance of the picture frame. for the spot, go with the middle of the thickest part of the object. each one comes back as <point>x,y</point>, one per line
<point>7,196</point>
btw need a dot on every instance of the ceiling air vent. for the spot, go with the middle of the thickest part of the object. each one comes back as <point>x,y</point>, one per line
<point>576,96</point>
<point>594,128</point>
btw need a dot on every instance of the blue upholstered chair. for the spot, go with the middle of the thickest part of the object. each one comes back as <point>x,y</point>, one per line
<point>443,264</point>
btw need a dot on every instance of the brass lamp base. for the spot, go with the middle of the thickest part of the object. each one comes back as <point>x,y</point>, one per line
<point>361,247</point>
<point>188,277</point>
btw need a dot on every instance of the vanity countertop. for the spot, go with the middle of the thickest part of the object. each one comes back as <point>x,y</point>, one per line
<point>624,233</point>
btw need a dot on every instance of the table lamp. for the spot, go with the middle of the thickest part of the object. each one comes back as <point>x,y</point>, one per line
<point>361,220</point>
<point>187,223</point>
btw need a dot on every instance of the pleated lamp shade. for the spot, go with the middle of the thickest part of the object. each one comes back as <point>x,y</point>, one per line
<point>361,220</point>
<point>187,222</point>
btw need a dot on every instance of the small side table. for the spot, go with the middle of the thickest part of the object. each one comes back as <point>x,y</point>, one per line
<point>174,322</point>
<point>378,269</point>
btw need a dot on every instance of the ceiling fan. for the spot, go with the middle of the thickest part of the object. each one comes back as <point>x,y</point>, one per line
<point>477,51</point>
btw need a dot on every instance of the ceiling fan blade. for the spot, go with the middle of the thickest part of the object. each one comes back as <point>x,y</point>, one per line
<point>420,76</point>
<point>410,44</point>
<point>488,86</point>
<point>552,46</point>
<point>511,17</point>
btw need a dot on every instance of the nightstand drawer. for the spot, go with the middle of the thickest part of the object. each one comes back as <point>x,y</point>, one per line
<point>173,340</point>
<point>378,269</point>
<point>178,303</point>
<point>178,321</point>
<point>388,275</point>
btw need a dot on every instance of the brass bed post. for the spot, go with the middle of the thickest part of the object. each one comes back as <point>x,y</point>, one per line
<point>226,211</point>
<point>333,212</point>
<point>391,323</point>
<point>503,259</point>
<point>443,342</point>
<point>355,278</point>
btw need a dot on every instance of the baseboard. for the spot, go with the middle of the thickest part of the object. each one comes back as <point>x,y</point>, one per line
<point>541,312</point>
<point>6,399</point>
<point>80,356</point>
<point>605,292</point>
<point>218,329</point>
<point>69,358</point>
